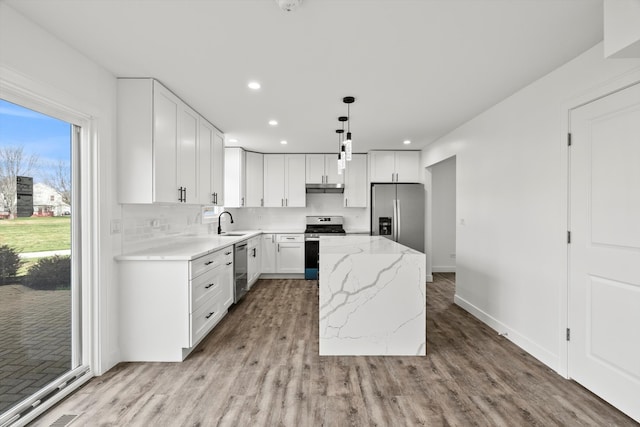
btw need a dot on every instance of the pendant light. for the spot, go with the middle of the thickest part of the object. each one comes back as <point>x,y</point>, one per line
<point>340,157</point>
<point>348,142</point>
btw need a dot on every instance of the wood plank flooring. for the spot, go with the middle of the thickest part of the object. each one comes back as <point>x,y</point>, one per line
<point>260,367</point>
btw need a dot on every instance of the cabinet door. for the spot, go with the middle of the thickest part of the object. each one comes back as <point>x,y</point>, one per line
<point>217,172</point>
<point>295,191</point>
<point>227,282</point>
<point>274,176</point>
<point>290,257</point>
<point>254,179</point>
<point>234,168</point>
<point>165,137</point>
<point>205,163</point>
<point>268,253</point>
<point>355,186</point>
<point>188,154</point>
<point>331,169</point>
<point>407,166</point>
<point>315,169</point>
<point>382,166</point>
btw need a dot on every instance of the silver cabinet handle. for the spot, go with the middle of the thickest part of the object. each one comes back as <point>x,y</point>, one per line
<point>286,202</point>
<point>346,202</point>
<point>278,247</point>
<point>281,202</point>
<point>209,285</point>
<point>242,203</point>
<point>261,202</point>
<point>228,253</point>
<point>229,263</point>
<point>209,315</point>
<point>208,263</point>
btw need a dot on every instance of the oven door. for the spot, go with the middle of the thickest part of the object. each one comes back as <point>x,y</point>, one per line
<point>311,256</point>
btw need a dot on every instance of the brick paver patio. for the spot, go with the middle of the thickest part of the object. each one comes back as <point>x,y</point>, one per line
<point>35,340</point>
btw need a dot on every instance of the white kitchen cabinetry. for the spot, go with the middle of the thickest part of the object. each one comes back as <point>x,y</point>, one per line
<point>290,253</point>
<point>158,145</point>
<point>284,180</point>
<point>254,179</point>
<point>234,182</point>
<point>322,169</point>
<point>167,307</point>
<point>355,182</point>
<point>211,164</point>
<point>254,261</point>
<point>394,166</point>
<point>268,253</point>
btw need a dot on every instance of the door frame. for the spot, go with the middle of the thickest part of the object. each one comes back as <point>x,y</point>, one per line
<point>608,87</point>
<point>22,90</point>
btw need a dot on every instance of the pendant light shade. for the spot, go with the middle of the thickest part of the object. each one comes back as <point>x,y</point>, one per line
<point>348,143</point>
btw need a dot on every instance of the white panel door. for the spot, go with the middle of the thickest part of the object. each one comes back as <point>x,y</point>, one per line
<point>355,185</point>
<point>604,254</point>
<point>254,185</point>
<point>382,166</point>
<point>295,191</point>
<point>274,180</point>
<point>217,172</point>
<point>331,169</point>
<point>165,145</point>
<point>188,154</point>
<point>315,169</point>
<point>205,162</point>
<point>407,166</point>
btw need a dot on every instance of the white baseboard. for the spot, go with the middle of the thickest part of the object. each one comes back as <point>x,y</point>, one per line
<point>540,353</point>
<point>429,278</point>
<point>444,269</point>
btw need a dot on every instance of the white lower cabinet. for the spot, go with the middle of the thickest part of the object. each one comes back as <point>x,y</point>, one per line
<point>268,253</point>
<point>254,260</point>
<point>290,253</point>
<point>168,307</point>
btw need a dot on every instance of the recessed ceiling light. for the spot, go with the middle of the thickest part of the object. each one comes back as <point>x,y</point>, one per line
<point>406,142</point>
<point>273,122</point>
<point>283,142</point>
<point>254,85</point>
<point>232,140</point>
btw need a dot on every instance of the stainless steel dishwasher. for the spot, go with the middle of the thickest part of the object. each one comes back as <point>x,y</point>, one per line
<point>240,270</point>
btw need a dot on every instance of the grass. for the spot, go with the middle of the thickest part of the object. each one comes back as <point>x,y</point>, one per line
<point>36,234</point>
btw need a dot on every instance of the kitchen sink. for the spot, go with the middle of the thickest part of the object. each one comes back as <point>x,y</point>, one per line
<point>232,234</point>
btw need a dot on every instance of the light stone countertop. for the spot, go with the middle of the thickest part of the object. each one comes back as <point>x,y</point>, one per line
<point>187,248</point>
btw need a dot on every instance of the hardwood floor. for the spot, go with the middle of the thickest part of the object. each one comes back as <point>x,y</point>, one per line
<point>260,367</point>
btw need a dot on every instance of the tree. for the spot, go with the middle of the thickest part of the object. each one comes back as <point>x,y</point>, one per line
<point>13,163</point>
<point>60,180</point>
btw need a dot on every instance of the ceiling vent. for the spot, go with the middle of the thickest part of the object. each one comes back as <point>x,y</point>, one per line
<point>288,5</point>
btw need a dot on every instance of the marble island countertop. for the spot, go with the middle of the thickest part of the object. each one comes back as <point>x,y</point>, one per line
<point>372,297</point>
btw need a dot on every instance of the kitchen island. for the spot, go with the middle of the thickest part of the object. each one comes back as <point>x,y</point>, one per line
<point>372,297</point>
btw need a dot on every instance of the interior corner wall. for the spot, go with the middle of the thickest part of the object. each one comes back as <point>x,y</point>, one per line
<point>443,216</point>
<point>49,68</point>
<point>510,231</point>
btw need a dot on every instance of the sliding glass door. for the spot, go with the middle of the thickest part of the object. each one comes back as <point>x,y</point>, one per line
<point>40,292</point>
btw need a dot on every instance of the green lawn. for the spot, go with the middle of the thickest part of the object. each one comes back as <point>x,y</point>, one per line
<point>36,234</point>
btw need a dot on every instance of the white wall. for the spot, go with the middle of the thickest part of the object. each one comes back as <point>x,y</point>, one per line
<point>511,195</point>
<point>622,28</point>
<point>443,216</point>
<point>38,62</point>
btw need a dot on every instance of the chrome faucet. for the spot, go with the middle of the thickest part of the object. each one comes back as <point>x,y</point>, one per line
<point>220,216</point>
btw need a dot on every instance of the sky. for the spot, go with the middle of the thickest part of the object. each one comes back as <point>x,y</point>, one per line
<point>39,134</point>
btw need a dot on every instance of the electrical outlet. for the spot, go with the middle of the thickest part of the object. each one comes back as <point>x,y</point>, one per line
<point>116,226</point>
<point>452,256</point>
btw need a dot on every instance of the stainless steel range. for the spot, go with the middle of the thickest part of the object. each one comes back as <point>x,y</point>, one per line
<point>318,226</point>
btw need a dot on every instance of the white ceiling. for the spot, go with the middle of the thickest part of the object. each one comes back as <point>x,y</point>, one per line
<point>418,68</point>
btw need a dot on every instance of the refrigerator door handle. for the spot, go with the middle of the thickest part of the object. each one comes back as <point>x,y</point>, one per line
<point>394,223</point>
<point>398,229</point>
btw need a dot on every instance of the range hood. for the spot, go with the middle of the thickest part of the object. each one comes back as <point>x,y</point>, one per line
<point>325,188</point>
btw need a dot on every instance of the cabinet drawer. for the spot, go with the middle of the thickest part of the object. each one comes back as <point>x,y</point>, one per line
<point>208,262</point>
<point>205,318</point>
<point>287,238</point>
<point>205,286</point>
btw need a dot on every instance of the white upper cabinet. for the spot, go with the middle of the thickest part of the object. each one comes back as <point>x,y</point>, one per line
<point>355,182</point>
<point>284,180</point>
<point>254,181</point>
<point>295,190</point>
<point>322,169</point>
<point>158,145</point>
<point>217,172</point>
<point>188,154</point>
<point>234,182</point>
<point>394,166</point>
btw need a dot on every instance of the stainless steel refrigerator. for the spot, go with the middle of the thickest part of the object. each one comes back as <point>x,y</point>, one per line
<point>397,213</point>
